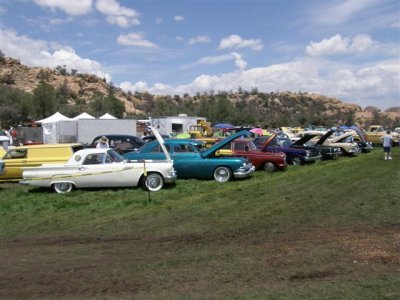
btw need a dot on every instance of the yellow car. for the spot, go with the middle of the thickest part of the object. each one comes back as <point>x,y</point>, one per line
<point>36,155</point>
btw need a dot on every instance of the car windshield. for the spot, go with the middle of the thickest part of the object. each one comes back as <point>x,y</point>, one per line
<point>113,156</point>
<point>284,142</point>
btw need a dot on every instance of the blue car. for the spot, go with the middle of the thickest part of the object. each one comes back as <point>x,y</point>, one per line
<point>296,152</point>
<point>190,162</point>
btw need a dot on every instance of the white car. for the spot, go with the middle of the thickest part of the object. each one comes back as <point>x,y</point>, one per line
<point>90,168</point>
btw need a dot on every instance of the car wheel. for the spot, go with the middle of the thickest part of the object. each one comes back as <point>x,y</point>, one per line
<point>296,161</point>
<point>222,174</point>
<point>63,187</point>
<point>269,167</point>
<point>153,182</point>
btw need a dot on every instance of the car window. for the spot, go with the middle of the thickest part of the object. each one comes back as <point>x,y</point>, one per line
<point>241,146</point>
<point>77,148</point>
<point>16,153</point>
<point>94,159</point>
<point>227,146</point>
<point>113,156</point>
<point>157,148</point>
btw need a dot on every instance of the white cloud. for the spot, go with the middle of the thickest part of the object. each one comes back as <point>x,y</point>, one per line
<point>74,8</point>
<point>339,45</point>
<point>339,13</point>
<point>239,61</point>
<point>2,10</point>
<point>199,39</point>
<point>135,39</point>
<point>117,14</point>
<point>213,60</point>
<point>179,18</point>
<point>234,41</point>
<point>179,38</point>
<point>375,84</point>
<point>39,53</point>
<point>159,20</point>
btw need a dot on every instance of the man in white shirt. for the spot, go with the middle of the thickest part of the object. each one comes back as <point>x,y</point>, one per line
<point>387,145</point>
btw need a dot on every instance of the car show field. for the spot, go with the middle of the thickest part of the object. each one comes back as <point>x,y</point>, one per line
<point>327,230</point>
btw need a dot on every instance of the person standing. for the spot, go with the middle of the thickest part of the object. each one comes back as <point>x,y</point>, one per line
<point>387,145</point>
<point>103,143</point>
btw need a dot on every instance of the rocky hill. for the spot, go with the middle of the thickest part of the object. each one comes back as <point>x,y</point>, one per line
<point>81,86</point>
<point>84,86</point>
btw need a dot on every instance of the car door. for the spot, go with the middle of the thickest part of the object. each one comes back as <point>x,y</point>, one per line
<point>95,173</point>
<point>186,160</point>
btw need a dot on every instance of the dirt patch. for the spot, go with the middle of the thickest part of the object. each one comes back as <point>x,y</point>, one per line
<point>97,267</point>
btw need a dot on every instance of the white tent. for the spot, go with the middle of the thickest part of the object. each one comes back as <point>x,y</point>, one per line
<point>83,115</point>
<point>49,126</point>
<point>108,116</point>
<point>54,118</point>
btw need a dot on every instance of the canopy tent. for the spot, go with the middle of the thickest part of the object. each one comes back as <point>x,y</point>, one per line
<point>223,125</point>
<point>107,116</point>
<point>49,126</point>
<point>54,118</point>
<point>83,115</point>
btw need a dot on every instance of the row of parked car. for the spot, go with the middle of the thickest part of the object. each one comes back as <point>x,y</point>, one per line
<point>64,167</point>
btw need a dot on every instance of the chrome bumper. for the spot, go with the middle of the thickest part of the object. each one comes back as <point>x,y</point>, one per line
<point>244,172</point>
<point>171,177</point>
<point>311,158</point>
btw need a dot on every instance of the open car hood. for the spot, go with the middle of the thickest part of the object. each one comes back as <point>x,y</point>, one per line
<point>325,137</point>
<point>303,140</point>
<point>219,145</point>
<point>161,141</point>
<point>361,135</point>
<point>268,141</point>
<point>339,138</point>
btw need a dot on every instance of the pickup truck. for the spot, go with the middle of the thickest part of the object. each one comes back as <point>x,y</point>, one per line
<point>375,132</point>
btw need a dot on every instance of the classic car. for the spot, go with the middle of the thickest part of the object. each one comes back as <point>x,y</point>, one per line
<point>189,162</point>
<point>122,143</point>
<point>2,167</point>
<point>359,138</point>
<point>327,151</point>
<point>19,157</point>
<point>89,168</point>
<point>267,161</point>
<point>296,153</point>
<point>149,138</point>
<point>375,132</point>
<point>346,144</point>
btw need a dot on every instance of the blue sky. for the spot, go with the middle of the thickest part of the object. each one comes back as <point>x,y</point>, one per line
<point>348,49</point>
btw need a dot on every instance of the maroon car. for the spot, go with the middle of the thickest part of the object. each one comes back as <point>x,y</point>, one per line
<point>267,161</point>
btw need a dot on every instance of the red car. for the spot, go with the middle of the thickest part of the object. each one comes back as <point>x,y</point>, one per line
<point>267,161</point>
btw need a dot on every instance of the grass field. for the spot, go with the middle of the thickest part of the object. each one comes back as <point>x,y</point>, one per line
<point>330,230</point>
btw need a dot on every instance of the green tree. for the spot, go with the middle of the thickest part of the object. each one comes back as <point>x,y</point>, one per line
<point>44,99</point>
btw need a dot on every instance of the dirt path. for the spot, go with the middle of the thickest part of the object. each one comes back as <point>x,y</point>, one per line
<point>76,267</point>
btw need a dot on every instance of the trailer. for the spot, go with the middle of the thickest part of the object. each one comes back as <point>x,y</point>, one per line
<point>84,130</point>
<point>171,125</point>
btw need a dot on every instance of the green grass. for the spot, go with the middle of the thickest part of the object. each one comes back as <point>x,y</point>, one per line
<point>329,230</point>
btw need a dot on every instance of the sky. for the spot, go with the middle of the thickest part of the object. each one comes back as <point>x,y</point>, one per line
<point>347,49</point>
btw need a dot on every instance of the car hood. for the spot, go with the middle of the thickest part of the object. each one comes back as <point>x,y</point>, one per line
<point>303,140</point>
<point>210,151</point>
<point>161,141</point>
<point>361,135</point>
<point>324,137</point>
<point>339,138</point>
<point>267,142</point>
